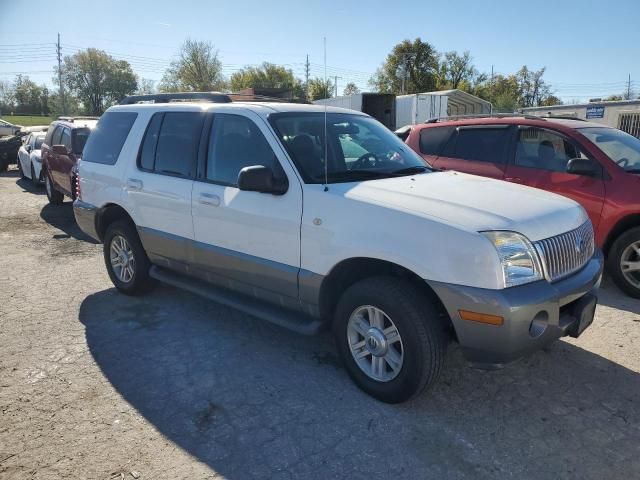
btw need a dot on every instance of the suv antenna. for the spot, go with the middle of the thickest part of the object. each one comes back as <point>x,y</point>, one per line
<point>326,156</point>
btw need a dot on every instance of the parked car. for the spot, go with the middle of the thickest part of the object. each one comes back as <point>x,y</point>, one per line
<point>61,150</point>
<point>595,165</point>
<point>9,146</point>
<point>235,202</point>
<point>9,129</point>
<point>29,160</point>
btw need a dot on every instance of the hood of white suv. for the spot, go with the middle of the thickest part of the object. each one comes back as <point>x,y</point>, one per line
<point>474,203</point>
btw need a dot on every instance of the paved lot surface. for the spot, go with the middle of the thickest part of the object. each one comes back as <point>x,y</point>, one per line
<point>94,384</point>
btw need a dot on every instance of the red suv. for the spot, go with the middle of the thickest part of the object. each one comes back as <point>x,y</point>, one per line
<point>61,150</point>
<point>595,165</point>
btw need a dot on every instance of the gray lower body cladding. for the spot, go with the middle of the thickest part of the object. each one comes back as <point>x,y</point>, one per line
<point>534,314</point>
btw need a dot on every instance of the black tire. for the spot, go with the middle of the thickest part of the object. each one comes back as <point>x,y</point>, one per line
<point>614,259</point>
<point>140,282</point>
<point>421,328</point>
<point>34,179</point>
<point>53,195</point>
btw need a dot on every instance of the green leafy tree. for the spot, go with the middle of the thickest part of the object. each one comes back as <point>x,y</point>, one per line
<point>27,95</point>
<point>550,101</point>
<point>320,88</point>
<point>350,89</point>
<point>97,79</point>
<point>266,75</point>
<point>456,70</point>
<point>411,67</point>
<point>146,86</point>
<point>532,89</point>
<point>198,69</point>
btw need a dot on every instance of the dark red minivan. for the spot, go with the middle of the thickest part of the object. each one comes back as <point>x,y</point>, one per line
<point>595,165</point>
<point>61,150</point>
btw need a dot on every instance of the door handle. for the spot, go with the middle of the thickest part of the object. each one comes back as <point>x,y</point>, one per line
<point>514,179</point>
<point>209,199</point>
<point>134,184</point>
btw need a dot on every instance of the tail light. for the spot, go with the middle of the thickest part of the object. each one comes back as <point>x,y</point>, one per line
<point>78,192</point>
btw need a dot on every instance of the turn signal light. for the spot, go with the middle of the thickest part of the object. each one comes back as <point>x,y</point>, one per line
<point>480,317</point>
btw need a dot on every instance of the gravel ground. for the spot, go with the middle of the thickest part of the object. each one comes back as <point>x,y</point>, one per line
<point>94,384</point>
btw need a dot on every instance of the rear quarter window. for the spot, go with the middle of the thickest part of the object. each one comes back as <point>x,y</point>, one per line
<point>106,140</point>
<point>433,139</point>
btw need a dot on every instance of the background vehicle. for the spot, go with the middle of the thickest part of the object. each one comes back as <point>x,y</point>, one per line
<point>9,146</point>
<point>241,204</point>
<point>7,128</point>
<point>593,164</point>
<point>61,150</point>
<point>29,160</point>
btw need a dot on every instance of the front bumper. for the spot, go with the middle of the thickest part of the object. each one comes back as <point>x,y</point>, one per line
<point>534,314</point>
<point>85,214</point>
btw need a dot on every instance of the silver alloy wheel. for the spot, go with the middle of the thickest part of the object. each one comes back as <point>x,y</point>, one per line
<point>375,343</point>
<point>630,264</point>
<point>122,259</point>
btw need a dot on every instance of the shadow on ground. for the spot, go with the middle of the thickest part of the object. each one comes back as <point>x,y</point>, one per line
<point>611,296</point>
<point>61,217</point>
<point>254,401</point>
<point>27,186</point>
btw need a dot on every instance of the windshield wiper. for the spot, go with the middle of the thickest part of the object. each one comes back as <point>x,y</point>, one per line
<point>411,170</point>
<point>352,174</point>
<point>632,170</point>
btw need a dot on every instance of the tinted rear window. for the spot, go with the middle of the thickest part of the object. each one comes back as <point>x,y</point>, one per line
<point>479,144</point>
<point>106,140</point>
<point>433,139</point>
<point>79,139</point>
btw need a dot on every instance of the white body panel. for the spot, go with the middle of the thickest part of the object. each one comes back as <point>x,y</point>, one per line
<point>261,225</point>
<point>426,223</point>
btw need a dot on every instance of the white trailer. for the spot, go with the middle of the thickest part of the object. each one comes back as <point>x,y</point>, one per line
<point>419,107</point>
<point>381,106</point>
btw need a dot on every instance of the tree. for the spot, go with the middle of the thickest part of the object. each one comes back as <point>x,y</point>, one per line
<point>456,69</point>
<point>27,95</point>
<point>532,88</point>
<point>146,86</point>
<point>550,101</point>
<point>320,88</point>
<point>198,69</point>
<point>350,89</point>
<point>411,67</point>
<point>97,79</point>
<point>266,75</point>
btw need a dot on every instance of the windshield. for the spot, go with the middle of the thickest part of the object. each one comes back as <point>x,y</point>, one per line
<point>359,147</point>
<point>622,148</point>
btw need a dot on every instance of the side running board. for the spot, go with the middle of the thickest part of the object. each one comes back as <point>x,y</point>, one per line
<point>295,321</point>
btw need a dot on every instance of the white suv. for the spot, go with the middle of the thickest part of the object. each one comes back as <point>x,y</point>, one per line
<point>236,202</point>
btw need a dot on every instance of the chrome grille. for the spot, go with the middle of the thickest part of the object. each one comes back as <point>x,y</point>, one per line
<point>566,253</point>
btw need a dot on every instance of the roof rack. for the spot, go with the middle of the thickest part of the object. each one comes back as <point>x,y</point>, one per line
<point>261,98</point>
<point>483,115</point>
<point>563,117</point>
<point>71,119</point>
<point>213,97</point>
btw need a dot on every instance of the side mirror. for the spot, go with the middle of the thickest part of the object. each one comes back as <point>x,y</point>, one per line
<point>259,178</point>
<point>27,148</point>
<point>581,166</point>
<point>60,150</point>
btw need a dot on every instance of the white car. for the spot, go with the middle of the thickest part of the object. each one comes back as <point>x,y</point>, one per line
<point>313,218</point>
<point>7,128</point>
<point>29,159</point>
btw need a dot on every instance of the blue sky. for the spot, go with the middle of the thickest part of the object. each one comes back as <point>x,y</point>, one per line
<point>588,47</point>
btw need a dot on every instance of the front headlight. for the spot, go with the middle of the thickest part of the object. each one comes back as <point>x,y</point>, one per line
<point>519,259</point>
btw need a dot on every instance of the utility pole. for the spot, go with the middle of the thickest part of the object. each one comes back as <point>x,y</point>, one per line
<point>629,88</point>
<point>306,78</point>
<point>59,52</point>
<point>491,90</point>
<point>336,84</point>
